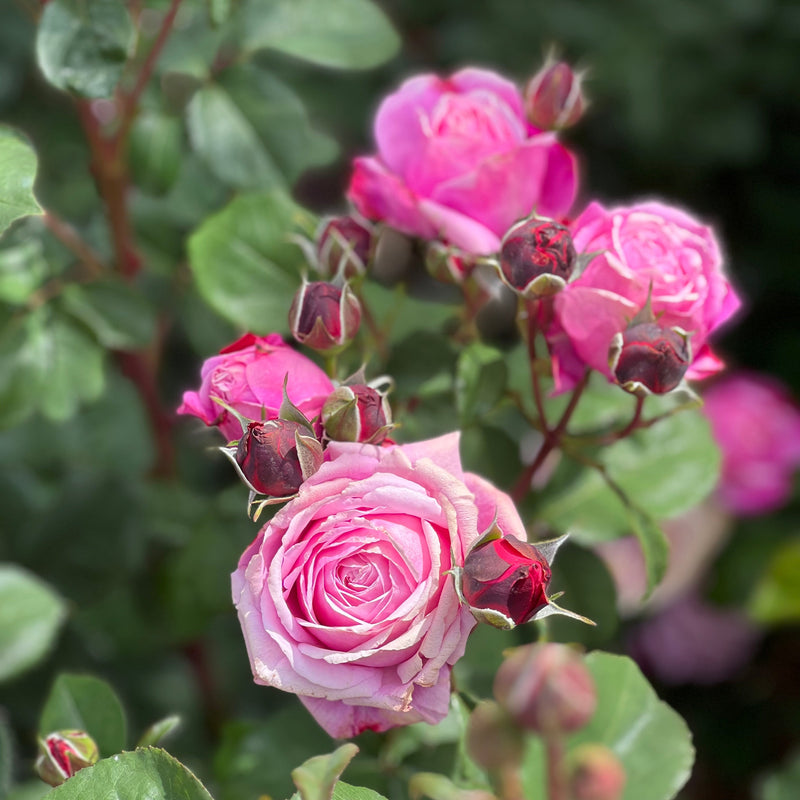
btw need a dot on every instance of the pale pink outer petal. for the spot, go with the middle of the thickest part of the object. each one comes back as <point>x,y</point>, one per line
<point>705,363</point>
<point>459,229</point>
<point>399,132</point>
<point>511,185</point>
<point>381,195</point>
<point>590,318</point>
<point>495,505</point>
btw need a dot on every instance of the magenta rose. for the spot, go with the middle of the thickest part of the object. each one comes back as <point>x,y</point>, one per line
<point>248,376</point>
<point>458,160</point>
<point>345,598</point>
<point>647,244</point>
<point>757,427</point>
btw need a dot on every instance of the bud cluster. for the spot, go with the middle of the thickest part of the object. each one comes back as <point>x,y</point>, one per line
<point>63,753</point>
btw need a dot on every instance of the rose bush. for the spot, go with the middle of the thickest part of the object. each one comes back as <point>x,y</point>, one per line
<point>757,427</point>
<point>641,246</point>
<point>248,375</point>
<point>458,160</point>
<point>344,596</point>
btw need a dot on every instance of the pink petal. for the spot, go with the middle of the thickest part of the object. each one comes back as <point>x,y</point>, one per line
<point>590,318</point>
<point>380,195</point>
<point>472,78</point>
<point>495,504</point>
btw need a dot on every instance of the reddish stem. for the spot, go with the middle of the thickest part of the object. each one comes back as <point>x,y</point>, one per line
<point>557,788</point>
<point>532,308</point>
<point>72,240</point>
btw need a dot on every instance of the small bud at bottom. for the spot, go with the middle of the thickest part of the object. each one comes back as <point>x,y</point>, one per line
<point>596,774</point>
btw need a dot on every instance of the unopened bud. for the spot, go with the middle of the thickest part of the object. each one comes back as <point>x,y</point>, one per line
<point>447,264</point>
<point>595,773</point>
<point>272,455</point>
<point>537,257</point>
<point>63,753</point>
<point>546,688</point>
<point>494,740</point>
<point>344,246</point>
<point>554,96</point>
<point>357,413</point>
<point>651,358</point>
<point>505,576</point>
<point>324,317</point>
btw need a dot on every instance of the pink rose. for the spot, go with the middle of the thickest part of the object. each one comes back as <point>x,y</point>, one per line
<point>344,596</point>
<point>248,376</point>
<point>641,245</point>
<point>757,427</point>
<point>458,160</point>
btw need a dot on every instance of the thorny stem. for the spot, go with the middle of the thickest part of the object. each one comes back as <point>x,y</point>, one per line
<point>552,439</point>
<point>72,240</point>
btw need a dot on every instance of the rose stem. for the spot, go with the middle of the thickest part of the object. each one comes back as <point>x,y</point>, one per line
<point>556,773</point>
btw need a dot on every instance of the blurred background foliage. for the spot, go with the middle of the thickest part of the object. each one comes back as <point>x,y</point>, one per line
<point>695,102</point>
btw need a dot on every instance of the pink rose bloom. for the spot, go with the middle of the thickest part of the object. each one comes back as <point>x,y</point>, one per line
<point>641,245</point>
<point>458,160</point>
<point>248,376</point>
<point>344,597</point>
<point>757,427</point>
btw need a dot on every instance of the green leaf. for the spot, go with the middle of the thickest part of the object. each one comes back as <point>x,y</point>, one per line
<point>23,268</point>
<point>654,544</point>
<point>344,791</point>
<point>31,614</point>
<point>220,10</point>
<point>146,773</point>
<point>481,375</point>
<point>244,264</point>
<point>783,784</point>
<point>159,730</point>
<point>89,704</point>
<point>492,453</point>
<point>17,174</point>
<point>348,34</point>
<point>316,776</point>
<point>30,790</point>
<point>118,315</point>
<point>155,151</point>
<point>663,470</point>
<point>82,45</point>
<point>776,598</point>
<point>650,739</point>
<point>68,363</point>
<point>252,131</point>
<point>255,758</point>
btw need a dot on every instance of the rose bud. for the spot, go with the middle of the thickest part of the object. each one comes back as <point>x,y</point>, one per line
<point>357,413</point>
<point>595,773</point>
<point>508,576</point>
<point>494,740</point>
<point>344,246</point>
<point>546,688</point>
<point>537,257</point>
<point>276,456</point>
<point>648,358</point>
<point>324,317</point>
<point>554,97</point>
<point>448,264</point>
<point>63,753</point>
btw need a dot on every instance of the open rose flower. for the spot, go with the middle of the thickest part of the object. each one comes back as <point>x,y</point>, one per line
<point>458,160</point>
<point>344,597</point>
<point>757,427</point>
<point>248,376</point>
<point>641,246</point>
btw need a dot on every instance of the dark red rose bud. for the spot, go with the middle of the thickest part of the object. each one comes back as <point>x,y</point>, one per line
<point>546,688</point>
<point>537,257</point>
<point>506,576</point>
<point>344,246</point>
<point>267,456</point>
<point>324,317</point>
<point>357,413</point>
<point>595,773</point>
<point>652,357</point>
<point>63,753</point>
<point>554,96</point>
